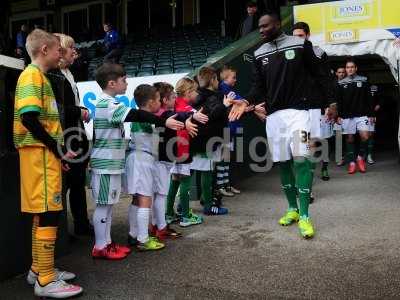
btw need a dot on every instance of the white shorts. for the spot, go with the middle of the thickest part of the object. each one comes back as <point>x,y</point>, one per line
<point>315,123</point>
<point>162,177</point>
<point>352,125</point>
<point>202,163</point>
<point>288,134</point>
<point>106,188</point>
<point>180,169</point>
<point>371,126</point>
<point>140,168</point>
<point>326,128</point>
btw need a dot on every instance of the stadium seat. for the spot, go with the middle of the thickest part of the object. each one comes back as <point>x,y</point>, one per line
<point>143,73</point>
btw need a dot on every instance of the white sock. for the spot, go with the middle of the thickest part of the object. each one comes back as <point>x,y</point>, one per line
<point>132,216</point>
<point>100,225</point>
<point>109,221</point>
<point>143,215</point>
<point>153,213</point>
<point>159,209</point>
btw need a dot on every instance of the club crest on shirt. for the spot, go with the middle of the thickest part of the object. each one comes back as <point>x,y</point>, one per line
<point>265,61</point>
<point>359,84</point>
<point>57,198</point>
<point>290,54</point>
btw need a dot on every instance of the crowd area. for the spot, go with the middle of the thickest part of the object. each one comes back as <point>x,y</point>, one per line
<point>174,132</point>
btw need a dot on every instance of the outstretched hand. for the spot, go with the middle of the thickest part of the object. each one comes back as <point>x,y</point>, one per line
<point>260,112</point>
<point>173,124</point>
<point>200,117</point>
<point>191,127</point>
<point>238,109</point>
<point>65,159</point>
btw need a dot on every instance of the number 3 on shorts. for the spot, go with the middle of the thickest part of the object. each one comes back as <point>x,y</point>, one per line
<point>305,136</point>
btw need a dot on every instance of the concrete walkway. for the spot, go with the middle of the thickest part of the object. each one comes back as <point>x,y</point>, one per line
<point>247,255</point>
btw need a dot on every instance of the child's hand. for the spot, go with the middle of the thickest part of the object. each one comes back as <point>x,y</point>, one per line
<point>191,128</point>
<point>200,117</point>
<point>85,115</point>
<point>173,124</point>
<point>238,109</point>
<point>65,159</point>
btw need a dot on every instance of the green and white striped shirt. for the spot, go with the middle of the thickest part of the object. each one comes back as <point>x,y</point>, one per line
<point>108,153</point>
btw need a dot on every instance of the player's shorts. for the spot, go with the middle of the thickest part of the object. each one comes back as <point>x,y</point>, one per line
<point>139,172</point>
<point>288,134</point>
<point>326,128</point>
<point>203,163</point>
<point>371,126</point>
<point>106,188</point>
<point>352,125</point>
<point>40,173</point>
<point>180,169</point>
<point>315,123</point>
<point>162,177</point>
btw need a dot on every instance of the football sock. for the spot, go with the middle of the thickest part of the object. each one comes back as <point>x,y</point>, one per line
<point>132,215</point>
<point>206,188</point>
<point>143,216</point>
<point>371,143</point>
<point>100,226</point>
<point>363,149</point>
<point>46,239</point>
<point>304,182</point>
<point>325,165</point>
<point>288,183</point>
<point>159,207</point>
<point>220,170</point>
<point>35,224</point>
<point>226,175</point>
<point>350,152</point>
<point>108,224</point>
<point>173,190</point>
<point>184,195</point>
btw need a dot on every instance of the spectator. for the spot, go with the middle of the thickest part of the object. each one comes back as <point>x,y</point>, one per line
<point>72,115</point>
<point>20,43</point>
<point>112,44</point>
<point>250,22</point>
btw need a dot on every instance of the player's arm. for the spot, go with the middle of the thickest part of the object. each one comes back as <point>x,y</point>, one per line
<point>31,121</point>
<point>319,70</point>
<point>141,116</point>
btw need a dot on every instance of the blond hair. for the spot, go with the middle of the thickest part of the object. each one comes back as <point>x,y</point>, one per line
<point>226,70</point>
<point>36,39</point>
<point>184,85</point>
<point>66,41</point>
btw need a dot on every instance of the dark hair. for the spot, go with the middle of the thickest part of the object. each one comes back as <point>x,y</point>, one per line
<point>108,24</point>
<point>107,72</point>
<point>164,88</point>
<point>251,4</point>
<point>303,26</point>
<point>144,93</point>
<point>350,60</point>
<point>273,14</point>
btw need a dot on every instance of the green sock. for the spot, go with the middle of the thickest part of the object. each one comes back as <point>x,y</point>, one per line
<point>184,195</point>
<point>313,166</point>
<point>206,188</point>
<point>173,190</point>
<point>303,179</point>
<point>371,143</point>
<point>288,183</point>
<point>363,149</point>
<point>350,152</point>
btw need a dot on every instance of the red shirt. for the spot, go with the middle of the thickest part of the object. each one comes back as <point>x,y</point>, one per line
<point>183,146</point>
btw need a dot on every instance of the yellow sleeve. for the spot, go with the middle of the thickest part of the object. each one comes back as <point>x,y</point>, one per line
<point>29,92</point>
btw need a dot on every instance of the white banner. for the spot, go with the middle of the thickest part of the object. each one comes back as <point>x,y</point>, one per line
<point>89,91</point>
